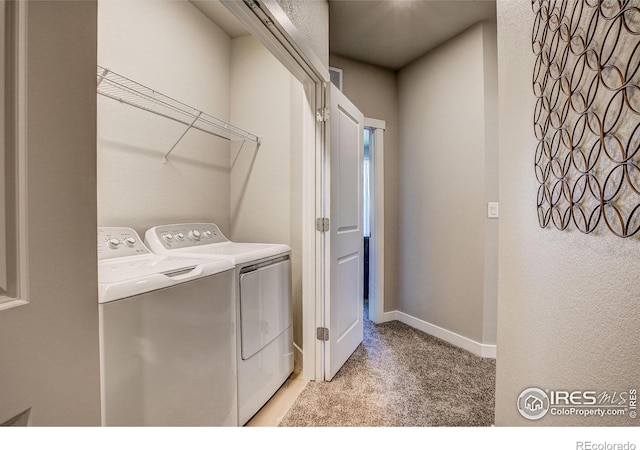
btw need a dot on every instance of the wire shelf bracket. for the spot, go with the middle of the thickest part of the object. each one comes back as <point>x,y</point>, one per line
<point>120,88</point>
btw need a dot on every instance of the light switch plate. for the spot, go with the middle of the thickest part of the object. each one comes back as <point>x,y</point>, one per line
<point>493,210</point>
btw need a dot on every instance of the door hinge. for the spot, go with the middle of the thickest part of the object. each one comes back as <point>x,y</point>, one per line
<point>322,224</point>
<point>322,114</point>
<point>322,333</point>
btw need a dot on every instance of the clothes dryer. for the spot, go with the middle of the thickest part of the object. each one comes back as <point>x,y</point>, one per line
<point>264,347</point>
<point>167,336</point>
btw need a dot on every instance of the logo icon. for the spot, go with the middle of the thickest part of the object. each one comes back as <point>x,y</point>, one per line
<point>533,403</point>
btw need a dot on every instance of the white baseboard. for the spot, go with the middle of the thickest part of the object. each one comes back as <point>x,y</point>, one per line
<point>482,350</point>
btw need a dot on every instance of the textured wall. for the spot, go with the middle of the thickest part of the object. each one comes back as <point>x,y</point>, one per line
<point>442,212</point>
<point>260,185</point>
<point>568,304</point>
<point>252,195</point>
<point>174,48</point>
<point>373,90</point>
<point>311,18</point>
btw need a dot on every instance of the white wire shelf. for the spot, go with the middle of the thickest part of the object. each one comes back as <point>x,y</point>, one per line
<point>125,90</point>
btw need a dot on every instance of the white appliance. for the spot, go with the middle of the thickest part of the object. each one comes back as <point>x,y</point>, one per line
<point>263,304</point>
<point>167,336</point>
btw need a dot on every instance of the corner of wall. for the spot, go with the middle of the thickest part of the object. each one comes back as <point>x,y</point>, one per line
<point>443,235</point>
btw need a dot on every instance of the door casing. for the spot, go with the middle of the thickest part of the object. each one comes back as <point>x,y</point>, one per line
<point>268,23</point>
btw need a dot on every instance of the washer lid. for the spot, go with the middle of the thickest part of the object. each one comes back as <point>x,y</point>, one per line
<point>236,252</point>
<point>126,267</point>
<point>129,276</point>
<point>134,268</point>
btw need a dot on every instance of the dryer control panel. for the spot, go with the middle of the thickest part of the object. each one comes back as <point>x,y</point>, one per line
<point>117,242</point>
<point>186,235</point>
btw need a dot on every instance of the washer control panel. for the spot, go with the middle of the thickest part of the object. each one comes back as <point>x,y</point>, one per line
<point>116,242</point>
<point>187,235</point>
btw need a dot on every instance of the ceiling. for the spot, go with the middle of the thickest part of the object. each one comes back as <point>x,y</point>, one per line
<point>392,33</point>
<point>386,33</point>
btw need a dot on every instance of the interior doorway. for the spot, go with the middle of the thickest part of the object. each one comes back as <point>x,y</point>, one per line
<point>373,228</point>
<point>366,181</point>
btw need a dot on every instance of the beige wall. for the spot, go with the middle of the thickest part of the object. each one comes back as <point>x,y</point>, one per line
<point>260,185</point>
<point>443,162</point>
<point>266,184</point>
<point>568,302</point>
<point>491,172</point>
<point>252,195</point>
<point>373,90</point>
<point>173,48</point>
<point>424,107</point>
<point>49,358</point>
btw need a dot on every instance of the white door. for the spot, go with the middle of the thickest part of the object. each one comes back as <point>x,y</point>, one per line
<point>49,353</point>
<point>344,307</point>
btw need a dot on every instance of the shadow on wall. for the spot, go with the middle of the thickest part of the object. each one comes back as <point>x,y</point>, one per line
<point>243,158</point>
<point>156,155</point>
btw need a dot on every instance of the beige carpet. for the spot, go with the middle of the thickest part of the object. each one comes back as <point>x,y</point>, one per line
<point>400,376</point>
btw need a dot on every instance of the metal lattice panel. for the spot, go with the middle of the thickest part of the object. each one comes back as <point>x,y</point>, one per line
<point>587,116</point>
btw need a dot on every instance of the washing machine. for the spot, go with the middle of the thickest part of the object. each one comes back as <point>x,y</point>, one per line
<point>167,336</point>
<point>262,285</point>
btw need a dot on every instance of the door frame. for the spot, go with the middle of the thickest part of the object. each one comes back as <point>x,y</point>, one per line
<point>13,215</point>
<point>268,23</point>
<point>376,216</point>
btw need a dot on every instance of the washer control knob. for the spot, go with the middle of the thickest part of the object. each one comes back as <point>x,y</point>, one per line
<point>207,234</point>
<point>195,234</point>
<point>180,236</point>
<point>113,243</point>
<point>130,241</point>
<point>168,237</point>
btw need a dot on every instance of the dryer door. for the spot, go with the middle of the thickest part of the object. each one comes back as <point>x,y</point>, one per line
<point>265,305</point>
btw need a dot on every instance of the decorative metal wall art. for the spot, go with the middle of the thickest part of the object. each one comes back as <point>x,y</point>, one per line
<point>586,79</point>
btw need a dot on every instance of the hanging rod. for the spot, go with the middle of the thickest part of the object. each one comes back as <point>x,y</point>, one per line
<point>124,90</point>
